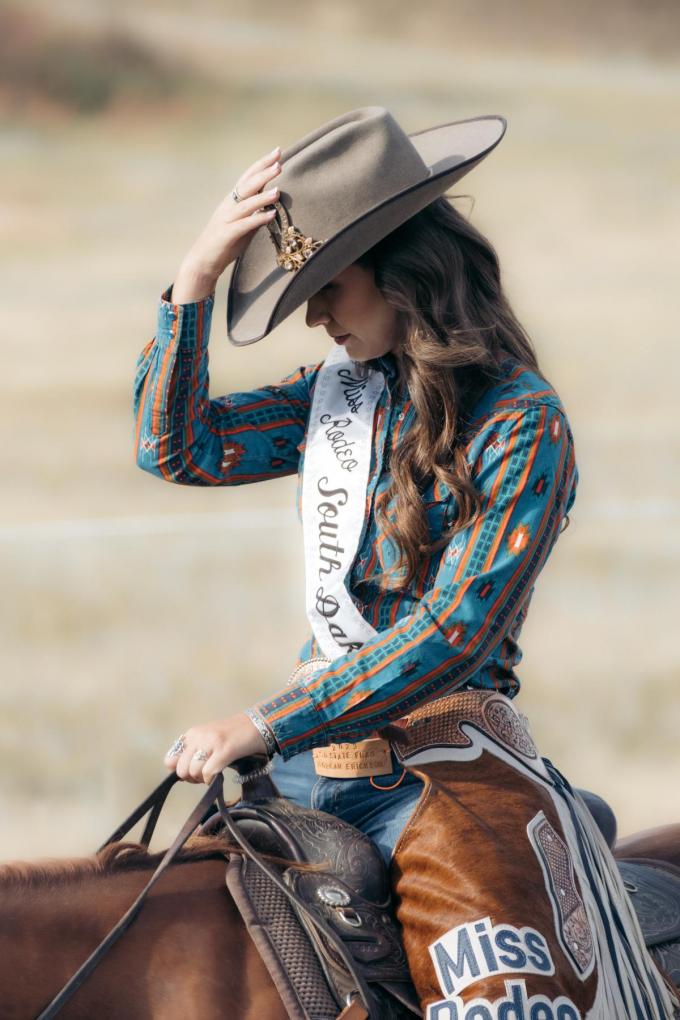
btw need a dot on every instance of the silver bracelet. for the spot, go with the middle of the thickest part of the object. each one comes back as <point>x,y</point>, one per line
<point>265,730</point>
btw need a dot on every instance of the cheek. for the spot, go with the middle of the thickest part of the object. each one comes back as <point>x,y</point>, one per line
<point>349,310</point>
<point>359,312</point>
<point>369,318</point>
<point>390,318</point>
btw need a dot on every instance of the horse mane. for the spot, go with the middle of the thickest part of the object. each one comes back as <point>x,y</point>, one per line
<point>117,857</point>
<point>127,856</point>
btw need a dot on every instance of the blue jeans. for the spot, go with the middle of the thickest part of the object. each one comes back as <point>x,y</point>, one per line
<point>381,813</point>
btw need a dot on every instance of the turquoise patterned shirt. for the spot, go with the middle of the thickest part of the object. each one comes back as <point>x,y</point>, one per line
<point>457,624</point>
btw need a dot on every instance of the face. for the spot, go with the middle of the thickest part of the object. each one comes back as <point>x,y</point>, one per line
<point>352,305</point>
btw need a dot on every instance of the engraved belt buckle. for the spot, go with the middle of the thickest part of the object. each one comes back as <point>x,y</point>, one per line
<point>370,757</point>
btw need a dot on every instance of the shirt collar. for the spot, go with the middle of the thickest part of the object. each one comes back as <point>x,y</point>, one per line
<point>387,364</point>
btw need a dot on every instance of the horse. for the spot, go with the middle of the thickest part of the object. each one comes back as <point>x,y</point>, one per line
<point>188,953</point>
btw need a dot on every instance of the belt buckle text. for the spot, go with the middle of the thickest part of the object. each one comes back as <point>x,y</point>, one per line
<point>370,757</point>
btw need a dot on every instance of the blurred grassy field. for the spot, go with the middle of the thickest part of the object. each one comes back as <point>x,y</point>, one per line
<point>131,608</point>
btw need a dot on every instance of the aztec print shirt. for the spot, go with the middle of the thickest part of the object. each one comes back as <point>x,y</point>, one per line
<point>458,623</point>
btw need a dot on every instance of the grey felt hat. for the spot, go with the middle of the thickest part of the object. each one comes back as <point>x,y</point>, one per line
<point>343,187</point>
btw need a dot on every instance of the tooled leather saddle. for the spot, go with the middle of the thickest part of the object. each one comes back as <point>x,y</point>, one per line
<point>301,918</point>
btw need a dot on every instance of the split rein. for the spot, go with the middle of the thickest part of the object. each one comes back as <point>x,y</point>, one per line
<point>359,1004</point>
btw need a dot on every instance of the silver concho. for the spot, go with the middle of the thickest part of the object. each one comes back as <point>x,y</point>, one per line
<point>333,896</point>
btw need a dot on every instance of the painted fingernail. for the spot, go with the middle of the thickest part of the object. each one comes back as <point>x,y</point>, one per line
<point>271,191</point>
<point>274,151</point>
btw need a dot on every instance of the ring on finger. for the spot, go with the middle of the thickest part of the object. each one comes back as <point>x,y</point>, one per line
<point>200,755</point>
<point>235,195</point>
<point>177,747</point>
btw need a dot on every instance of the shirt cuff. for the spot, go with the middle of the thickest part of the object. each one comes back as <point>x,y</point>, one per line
<point>187,324</point>
<point>294,720</point>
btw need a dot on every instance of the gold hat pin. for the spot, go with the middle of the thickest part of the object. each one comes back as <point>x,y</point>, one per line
<point>292,247</point>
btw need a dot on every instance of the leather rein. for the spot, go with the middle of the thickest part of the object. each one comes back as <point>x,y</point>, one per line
<point>359,1005</point>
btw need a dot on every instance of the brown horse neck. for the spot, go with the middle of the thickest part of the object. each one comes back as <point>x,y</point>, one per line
<point>186,954</point>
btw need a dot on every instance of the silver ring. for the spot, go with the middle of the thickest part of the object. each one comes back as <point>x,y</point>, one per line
<point>200,756</point>
<point>177,747</point>
<point>235,195</point>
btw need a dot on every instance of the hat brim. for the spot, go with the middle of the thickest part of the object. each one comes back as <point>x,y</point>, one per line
<point>449,150</point>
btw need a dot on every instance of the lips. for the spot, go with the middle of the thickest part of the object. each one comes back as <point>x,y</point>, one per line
<point>341,339</point>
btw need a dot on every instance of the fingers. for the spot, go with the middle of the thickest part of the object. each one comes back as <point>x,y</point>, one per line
<point>192,769</point>
<point>196,767</point>
<point>184,764</point>
<point>263,161</point>
<point>250,205</point>
<point>174,752</point>
<point>217,743</point>
<point>260,180</point>
<point>250,217</point>
<point>258,176</point>
<point>215,763</point>
<point>262,169</point>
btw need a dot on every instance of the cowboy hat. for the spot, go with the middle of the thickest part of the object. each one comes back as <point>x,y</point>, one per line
<point>343,187</point>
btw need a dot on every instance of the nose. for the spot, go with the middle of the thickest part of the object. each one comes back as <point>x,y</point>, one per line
<point>316,313</point>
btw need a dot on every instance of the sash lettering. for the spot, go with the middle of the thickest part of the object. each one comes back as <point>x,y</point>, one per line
<point>334,479</point>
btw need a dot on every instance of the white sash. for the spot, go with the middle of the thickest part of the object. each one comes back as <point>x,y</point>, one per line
<point>334,481</point>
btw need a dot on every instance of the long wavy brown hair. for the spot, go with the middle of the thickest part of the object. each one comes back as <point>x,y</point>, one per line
<point>455,325</point>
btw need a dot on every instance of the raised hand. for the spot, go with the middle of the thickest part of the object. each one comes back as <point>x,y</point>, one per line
<point>229,229</point>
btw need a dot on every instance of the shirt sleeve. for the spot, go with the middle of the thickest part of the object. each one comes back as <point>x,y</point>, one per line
<point>523,465</point>
<point>183,436</point>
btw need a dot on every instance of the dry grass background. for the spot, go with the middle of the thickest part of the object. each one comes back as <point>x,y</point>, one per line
<point>132,608</point>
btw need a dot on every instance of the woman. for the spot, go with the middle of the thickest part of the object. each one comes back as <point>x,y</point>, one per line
<point>438,472</point>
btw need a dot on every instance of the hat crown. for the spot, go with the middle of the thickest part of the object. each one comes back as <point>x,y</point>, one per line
<point>345,168</point>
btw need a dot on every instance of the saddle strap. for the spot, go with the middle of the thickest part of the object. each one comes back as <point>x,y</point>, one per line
<point>155,801</point>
